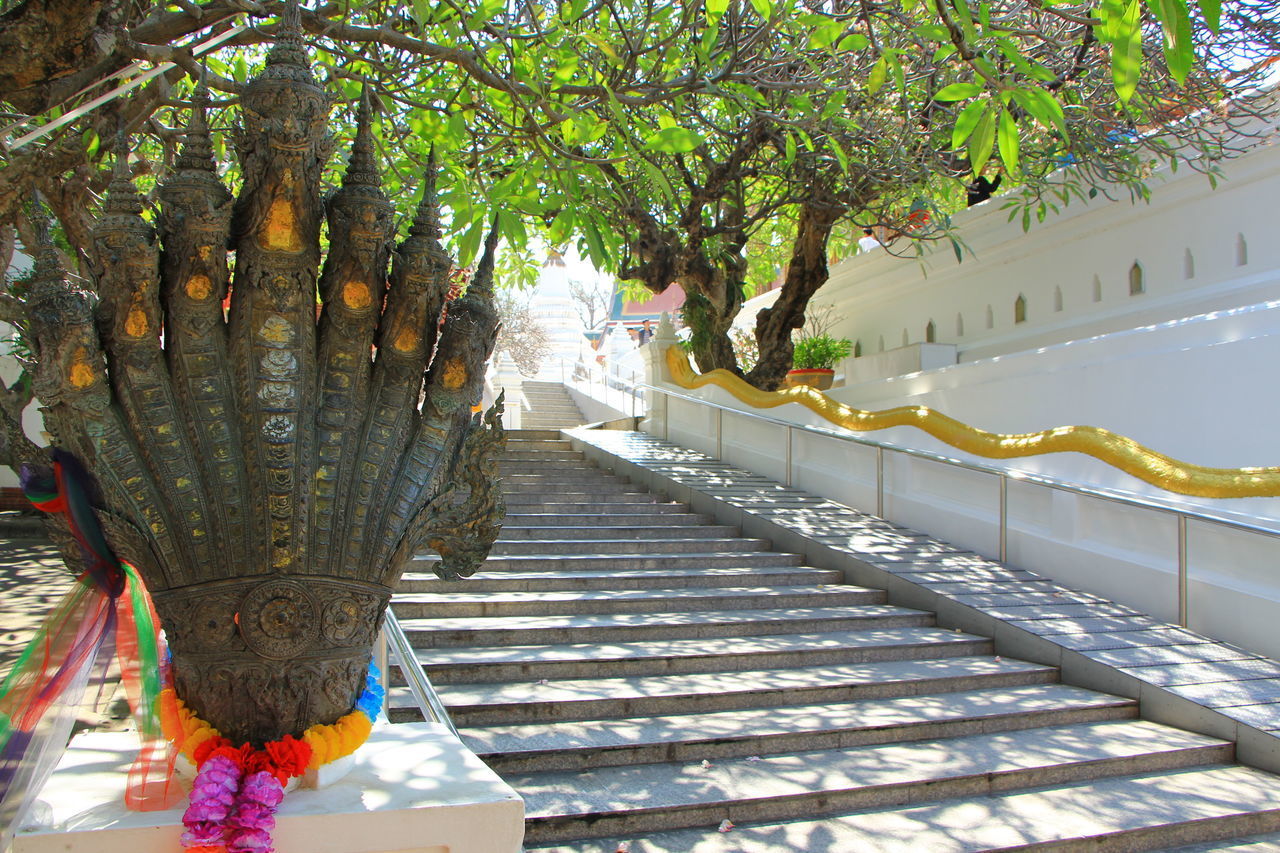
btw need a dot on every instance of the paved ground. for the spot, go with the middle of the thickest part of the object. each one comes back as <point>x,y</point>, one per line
<point>32,579</point>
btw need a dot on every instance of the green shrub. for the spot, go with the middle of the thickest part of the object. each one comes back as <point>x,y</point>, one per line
<point>820,351</point>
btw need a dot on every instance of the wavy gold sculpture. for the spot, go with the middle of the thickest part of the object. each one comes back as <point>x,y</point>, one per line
<point>1116,450</point>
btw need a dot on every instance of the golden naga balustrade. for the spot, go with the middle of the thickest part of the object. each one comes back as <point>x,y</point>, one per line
<point>1119,451</point>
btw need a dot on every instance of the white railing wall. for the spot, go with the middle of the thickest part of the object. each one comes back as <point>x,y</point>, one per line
<point>1215,575</point>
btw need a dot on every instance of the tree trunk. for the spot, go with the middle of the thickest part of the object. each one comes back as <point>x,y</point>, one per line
<point>805,274</point>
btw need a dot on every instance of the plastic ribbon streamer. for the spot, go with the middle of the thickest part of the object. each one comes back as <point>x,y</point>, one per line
<point>40,695</point>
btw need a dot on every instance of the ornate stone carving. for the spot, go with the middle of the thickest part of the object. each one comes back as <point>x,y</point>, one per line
<point>266,474</point>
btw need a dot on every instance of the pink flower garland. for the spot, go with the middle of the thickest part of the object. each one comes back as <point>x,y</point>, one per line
<point>231,812</point>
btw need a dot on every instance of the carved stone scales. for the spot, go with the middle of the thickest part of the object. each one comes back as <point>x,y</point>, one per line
<point>267,475</point>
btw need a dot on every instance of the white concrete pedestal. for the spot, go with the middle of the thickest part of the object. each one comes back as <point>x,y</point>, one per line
<point>414,789</point>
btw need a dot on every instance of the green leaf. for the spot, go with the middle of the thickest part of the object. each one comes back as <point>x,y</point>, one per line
<point>1043,107</point>
<point>981,142</point>
<point>790,145</point>
<point>875,80</point>
<point>421,12</point>
<point>763,8</point>
<point>935,32</point>
<point>842,157</point>
<point>1008,142</point>
<point>854,41</point>
<point>1212,11</point>
<point>595,245</point>
<point>91,143</point>
<point>561,227</point>
<point>825,34</point>
<point>1176,27</point>
<point>958,92</point>
<point>470,243</point>
<point>674,140</point>
<point>716,8</point>
<point>966,122</point>
<point>1126,50</point>
<point>511,226</point>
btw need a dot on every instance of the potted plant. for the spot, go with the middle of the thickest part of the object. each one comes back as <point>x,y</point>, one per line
<point>814,360</point>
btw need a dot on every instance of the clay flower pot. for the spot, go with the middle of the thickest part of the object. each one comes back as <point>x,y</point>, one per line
<point>815,377</point>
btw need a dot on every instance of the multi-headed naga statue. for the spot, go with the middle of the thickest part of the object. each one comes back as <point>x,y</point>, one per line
<point>269,475</point>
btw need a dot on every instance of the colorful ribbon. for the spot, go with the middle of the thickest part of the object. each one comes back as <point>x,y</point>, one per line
<point>108,601</point>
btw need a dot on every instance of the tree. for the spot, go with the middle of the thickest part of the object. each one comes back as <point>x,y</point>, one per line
<point>520,335</point>
<point>591,300</point>
<point>743,136</point>
<point>879,114</point>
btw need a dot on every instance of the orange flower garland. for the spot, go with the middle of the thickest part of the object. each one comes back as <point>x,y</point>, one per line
<point>196,739</point>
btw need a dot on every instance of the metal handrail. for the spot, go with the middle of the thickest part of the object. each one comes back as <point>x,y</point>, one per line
<point>424,694</point>
<point>1182,514</point>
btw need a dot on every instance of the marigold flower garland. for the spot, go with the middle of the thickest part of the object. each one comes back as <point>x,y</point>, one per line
<point>238,789</point>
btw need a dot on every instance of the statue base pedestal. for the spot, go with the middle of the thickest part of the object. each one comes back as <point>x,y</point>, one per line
<point>414,788</point>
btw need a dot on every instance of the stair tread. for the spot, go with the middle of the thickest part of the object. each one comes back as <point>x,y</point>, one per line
<point>748,723</point>
<point>727,647</point>
<point>744,681</point>
<point>654,786</point>
<point>626,594</point>
<point>628,620</point>
<point>1013,820</point>
<point>607,574</point>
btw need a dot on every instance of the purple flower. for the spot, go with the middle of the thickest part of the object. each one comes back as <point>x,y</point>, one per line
<point>202,834</point>
<point>251,841</point>
<point>262,787</point>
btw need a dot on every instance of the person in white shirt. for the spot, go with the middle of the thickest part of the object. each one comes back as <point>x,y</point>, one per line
<point>868,241</point>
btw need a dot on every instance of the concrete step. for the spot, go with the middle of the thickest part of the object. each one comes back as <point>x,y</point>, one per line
<point>611,508</point>
<point>1269,843</point>
<point>535,701</point>
<point>575,494</point>
<point>529,701</point>
<point>655,657</point>
<point>800,728</point>
<point>1148,811</point>
<point>535,466</point>
<point>457,604</point>
<point>554,476</point>
<point>653,797</point>
<point>673,545</point>
<point>557,533</point>
<point>592,486</point>
<point>664,514</point>
<point>623,627</point>
<point>619,579</point>
<point>546,456</point>
<point>599,560</point>
<point>533,445</point>
<point>526,434</point>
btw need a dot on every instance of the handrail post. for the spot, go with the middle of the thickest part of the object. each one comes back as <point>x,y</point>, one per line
<point>787,482</point>
<point>380,660</point>
<point>879,482</point>
<point>720,434</point>
<point>1004,518</point>
<point>1184,605</point>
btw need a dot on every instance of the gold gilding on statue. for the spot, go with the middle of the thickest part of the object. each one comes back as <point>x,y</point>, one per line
<point>355,295</point>
<point>455,374</point>
<point>407,340</point>
<point>135,323</point>
<point>280,231</point>
<point>1118,451</point>
<point>199,287</point>
<point>81,373</point>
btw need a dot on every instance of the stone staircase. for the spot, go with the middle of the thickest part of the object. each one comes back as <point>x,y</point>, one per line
<point>549,407</point>
<point>651,681</point>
